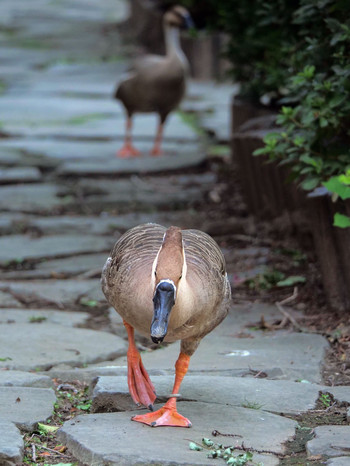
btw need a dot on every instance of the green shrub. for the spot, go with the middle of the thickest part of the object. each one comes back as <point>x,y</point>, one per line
<point>315,133</point>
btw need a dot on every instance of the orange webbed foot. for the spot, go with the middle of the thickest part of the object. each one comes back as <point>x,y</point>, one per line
<point>140,386</point>
<point>128,151</point>
<point>163,417</point>
<point>156,152</point>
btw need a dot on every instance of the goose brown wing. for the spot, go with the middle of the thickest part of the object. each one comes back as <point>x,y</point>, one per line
<point>137,248</point>
<point>203,253</point>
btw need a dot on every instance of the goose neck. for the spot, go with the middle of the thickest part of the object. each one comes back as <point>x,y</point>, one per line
<point>172,41</point>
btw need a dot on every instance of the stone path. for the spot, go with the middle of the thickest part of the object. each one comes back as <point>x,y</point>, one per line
<point>64,200</point>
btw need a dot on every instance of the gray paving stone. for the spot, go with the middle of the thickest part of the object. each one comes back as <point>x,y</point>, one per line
<point>24,379</point>
<point>20,316</point>
<point>25,406</point>
<point>11,444</point>
<point>33,197</point>
<point>279,396</point>
<point>39,347</point>
<point>92,148</point>
<point>117,444</point>
<point>340,461</point>
<point>295,356</point>
<point>61,293</point>
<point>100,224</point>
<point>25,247</point>
<point>340,393</point>
<point>192,157</point>
<point>69,118</point>
<point>76,79</point>
<point>19,175</point>
<point>62,268</point>
<point>7,300</point>
<point>33,110</point>
<point>330,441</point>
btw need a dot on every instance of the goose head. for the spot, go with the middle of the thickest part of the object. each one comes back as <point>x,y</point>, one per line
<point>178,17</point>
<point>168,272</point>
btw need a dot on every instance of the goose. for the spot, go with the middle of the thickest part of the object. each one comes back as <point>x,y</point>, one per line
<point>156,83</point>
<point>169,284</point>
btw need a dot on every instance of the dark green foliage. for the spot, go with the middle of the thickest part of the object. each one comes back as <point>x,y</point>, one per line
<point>315,136</point>
<point>294,54</point>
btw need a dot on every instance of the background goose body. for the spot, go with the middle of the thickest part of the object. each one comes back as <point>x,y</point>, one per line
<point>156,83</point>
<point>172,284</point>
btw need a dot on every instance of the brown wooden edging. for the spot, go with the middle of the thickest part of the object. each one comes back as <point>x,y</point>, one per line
<point>268,195</point>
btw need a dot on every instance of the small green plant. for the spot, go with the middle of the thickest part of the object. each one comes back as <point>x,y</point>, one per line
<point>88,302</point>
<point>252,404</point>
<point>231,455</point>
<point>266,280</point>
<point>5,359</point>
<point>37,319</point>
<point>325,399</point>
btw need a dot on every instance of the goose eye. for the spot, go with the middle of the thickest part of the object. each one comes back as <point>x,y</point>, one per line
<point>180,276</point>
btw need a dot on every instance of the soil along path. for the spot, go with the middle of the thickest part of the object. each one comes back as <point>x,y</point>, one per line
<point>64,200</point>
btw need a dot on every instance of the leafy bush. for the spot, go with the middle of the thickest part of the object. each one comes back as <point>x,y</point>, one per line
<point>293,53</point>
<point>315,136</point>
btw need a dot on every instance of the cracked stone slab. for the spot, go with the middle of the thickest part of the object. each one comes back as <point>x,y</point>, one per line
<point>340,393</point>
<point>185,158</point>
<point>62,268</point>
<point>279,396</point>
<point>24,247</point>
<point>280,355</point>
<point>120,436</point>
<point>329,441</point>
<point>19,175</point>
<point>11,444</point>
<point>69,118</point>
<point>61,293</point>
<point>25,406</point>
<point>39,347</point>
<point>39,109</point>
<point>37,316</point>
<point>98,224</point>
<point>35,197</point>
<point>7,300</point>
<point>92,149</point>
<point>24,379</point>
<point>339,461</point>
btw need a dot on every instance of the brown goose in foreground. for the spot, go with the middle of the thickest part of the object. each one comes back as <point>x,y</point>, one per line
<point>170,284</point>
<point>156,83</point>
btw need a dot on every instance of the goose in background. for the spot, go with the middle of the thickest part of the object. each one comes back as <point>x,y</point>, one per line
<point>156,83</point>
<point>169,284</point>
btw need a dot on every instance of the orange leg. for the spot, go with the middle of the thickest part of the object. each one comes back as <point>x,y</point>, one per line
<point>128,150</point>
<point>140,386</point>
<point>168,415</point>
<point>156,151</point>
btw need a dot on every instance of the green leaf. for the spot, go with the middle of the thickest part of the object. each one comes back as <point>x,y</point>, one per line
<point>194,446</point>
<point>292,280</point>
<point>323,122</point>
<point>45,429</point>
<point>310,183</point>
<point>88,302</point>
<point>85,406</point>
<point>336,186</point>
<point>261,151</point>
<point>341,221</point>
<point>207,442</point>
